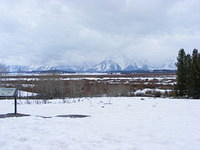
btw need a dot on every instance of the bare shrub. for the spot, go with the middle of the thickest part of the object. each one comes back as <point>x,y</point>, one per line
<point>51,88</point>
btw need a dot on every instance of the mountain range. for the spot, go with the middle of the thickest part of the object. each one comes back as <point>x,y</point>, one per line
<point>104,66</point>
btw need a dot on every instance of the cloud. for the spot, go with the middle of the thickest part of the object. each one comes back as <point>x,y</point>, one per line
<point>60,32</point>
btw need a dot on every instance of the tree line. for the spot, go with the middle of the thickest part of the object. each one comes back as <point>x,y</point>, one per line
<point>188,74</point>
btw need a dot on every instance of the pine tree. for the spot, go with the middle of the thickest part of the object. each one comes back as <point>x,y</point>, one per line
<point>181,86</point>
<point>195,74</point>
<point>188,74</point>
<point>188,67</point>
<point>198,75</point>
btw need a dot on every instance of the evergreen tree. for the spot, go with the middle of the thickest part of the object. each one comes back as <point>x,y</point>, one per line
<point>194,71</point>
<point>195,88</point>
<point>188,67</point>
<point>188,74</point>
<point>181,86</point>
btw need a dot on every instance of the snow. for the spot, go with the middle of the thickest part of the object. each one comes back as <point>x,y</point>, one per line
<point>166,79</point>
<point>144,91</point>
<point>26,94</point>
<point>114,124</point>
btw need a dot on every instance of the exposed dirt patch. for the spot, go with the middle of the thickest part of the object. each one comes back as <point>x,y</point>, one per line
<point>73,116</point>
<point>10,115</point>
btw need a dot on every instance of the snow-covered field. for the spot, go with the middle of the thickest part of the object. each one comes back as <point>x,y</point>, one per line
<point>114,124</point>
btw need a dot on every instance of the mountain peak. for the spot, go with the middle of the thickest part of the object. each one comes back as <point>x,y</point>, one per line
<point>107,65</point>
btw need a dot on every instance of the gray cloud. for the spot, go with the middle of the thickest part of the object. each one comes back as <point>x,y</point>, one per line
<point>62,32</point>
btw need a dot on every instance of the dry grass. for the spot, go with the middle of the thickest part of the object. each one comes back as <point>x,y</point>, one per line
<point>51,86</point>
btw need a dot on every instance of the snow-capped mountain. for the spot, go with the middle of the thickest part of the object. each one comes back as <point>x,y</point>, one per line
<point>19,68</point>
<point>106,66</point>
<point>131,67</point>
<point>169,65</point>
<point>43,68</point>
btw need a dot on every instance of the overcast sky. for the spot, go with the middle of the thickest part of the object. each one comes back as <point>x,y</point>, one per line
<point>63,32</point>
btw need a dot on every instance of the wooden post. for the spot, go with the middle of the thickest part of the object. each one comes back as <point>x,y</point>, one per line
<point>15,105</point>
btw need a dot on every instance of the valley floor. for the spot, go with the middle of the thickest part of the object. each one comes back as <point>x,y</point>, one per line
<point>123,123</point>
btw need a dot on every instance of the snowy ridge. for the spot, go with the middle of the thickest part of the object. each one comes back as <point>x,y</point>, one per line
<point>107,65</point>
<point>104,66</point>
